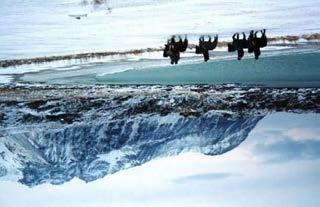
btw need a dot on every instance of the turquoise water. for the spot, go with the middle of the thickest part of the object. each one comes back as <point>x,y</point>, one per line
<point>283,70</point>
<point>291,69</point>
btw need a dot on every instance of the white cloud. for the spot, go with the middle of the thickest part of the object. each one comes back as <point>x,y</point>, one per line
<point>299,134</point>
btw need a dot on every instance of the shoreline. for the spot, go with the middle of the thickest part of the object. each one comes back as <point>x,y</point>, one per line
<point>187,100</point>
<point>46,59</point>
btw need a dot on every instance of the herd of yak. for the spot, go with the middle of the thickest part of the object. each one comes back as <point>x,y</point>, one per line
<point>253,43</point>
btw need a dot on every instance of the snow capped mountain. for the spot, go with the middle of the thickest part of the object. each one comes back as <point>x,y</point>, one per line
<point>51,133</point>
<point>54,140</point>
<point>90,149</point>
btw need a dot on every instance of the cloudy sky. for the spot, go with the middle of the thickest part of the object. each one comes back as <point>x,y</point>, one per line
<point>278,165</point>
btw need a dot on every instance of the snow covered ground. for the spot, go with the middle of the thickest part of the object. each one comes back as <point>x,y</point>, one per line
<point>39,28</point>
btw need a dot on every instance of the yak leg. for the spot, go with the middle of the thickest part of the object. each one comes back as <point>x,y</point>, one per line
<point>240,53</point>
<point>206,55</point>
<point>257,53</point>
<point>165,53</point>
<point>177,57</point>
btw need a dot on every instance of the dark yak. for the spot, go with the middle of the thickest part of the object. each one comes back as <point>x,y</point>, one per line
<point>205,46</point>
<point>172,49</point>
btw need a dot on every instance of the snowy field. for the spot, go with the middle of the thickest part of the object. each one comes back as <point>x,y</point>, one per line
<point>40,28</point>
<point>44,28</point>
